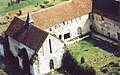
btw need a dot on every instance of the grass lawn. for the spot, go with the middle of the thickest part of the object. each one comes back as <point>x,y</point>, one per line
<point>94,55</point>
<point>3,28</point>
<point>4,9</point>
<point>4,4</point>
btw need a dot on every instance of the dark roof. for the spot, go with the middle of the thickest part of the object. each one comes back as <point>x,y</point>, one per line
<point>107,8</point>
<point>29,35</point>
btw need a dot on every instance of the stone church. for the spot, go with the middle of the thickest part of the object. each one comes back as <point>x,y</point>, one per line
<point>37,41</point>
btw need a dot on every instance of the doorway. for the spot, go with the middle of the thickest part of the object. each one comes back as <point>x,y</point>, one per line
<point>51,64</point>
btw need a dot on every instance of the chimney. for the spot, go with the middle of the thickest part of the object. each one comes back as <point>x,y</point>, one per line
<point>29,19</point>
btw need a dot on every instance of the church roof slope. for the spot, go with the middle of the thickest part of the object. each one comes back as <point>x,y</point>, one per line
<point>30,35</point>
<point>48,17</point>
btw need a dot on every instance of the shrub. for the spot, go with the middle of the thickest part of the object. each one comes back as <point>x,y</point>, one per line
<point>2,66</point>
<point>46,2</point>
<point>104,70</point>
<point>70,65</point>
<point>42,6</point>
<point>82,60</point>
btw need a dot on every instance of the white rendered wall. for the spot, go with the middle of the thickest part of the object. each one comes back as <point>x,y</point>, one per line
<point>45,56</point>
<point>71,26</point>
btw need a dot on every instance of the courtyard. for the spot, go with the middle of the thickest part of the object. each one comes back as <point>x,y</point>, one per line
<point>96,53</point>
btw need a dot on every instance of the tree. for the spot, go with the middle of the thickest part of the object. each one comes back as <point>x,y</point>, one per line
<point>71,66</point>
<point>82,60</point>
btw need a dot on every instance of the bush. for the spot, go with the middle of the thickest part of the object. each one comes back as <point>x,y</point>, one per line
<point>70,65</point>
<point>42,6</point>
<point>2,66</point>
<point>2,72</point>
<point>46,2</point>
<point>104,70</point>
<point>82,60</point>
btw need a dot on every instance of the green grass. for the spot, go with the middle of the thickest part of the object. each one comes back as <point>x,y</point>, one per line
<point>3,28</point>
<point>5,9</point>
<point>4,5</point>
<point>89,51</point>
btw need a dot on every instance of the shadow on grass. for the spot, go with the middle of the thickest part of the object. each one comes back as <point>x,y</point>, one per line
<point>71,67</point>
<point>104,45</point>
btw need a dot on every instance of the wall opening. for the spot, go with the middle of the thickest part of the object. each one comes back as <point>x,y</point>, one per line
<point>108,34</point>
<point>25,60</point>
<point>66,35</point>
<point>78,30</point>
<point>50,46</point>
<point>60,36</point>
<point>118,36</point>
<point>51,64</point>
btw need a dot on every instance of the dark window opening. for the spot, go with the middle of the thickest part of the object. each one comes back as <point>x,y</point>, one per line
<point>50,45</point>
<point>64,23</point>
<point>50,29</point>
<point>79,30</point>
<point>118,36</point>
<point>24,55</point>
<point>102,18</point>
<point>108,34</point>
<point>60,36</point>
<point>67,36</point>
<point>55,27</point>
<point>80,17</point>
<point>51,64</point>
<point>102,29</point>
<point>67,22</point>
<point>71,21</point>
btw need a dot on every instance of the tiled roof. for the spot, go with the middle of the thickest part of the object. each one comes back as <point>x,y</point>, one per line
<point>48,17</point>
<point>30,36</point>
<point>107,8</point>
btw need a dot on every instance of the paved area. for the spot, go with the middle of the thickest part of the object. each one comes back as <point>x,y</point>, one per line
<point>105,39</point>
<point>76,40</point>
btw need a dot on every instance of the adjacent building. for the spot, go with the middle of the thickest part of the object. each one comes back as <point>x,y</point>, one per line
<point>106,18</point>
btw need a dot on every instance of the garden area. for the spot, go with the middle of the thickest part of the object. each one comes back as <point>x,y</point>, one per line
<point>96,54</point>
<point>11,5</point>
<point>93,55</point>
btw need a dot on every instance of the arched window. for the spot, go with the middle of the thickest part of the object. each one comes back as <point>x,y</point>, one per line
<point>25,59</point>
<point>50,29</point>
<point>78,30</point>
<point>51,64</point>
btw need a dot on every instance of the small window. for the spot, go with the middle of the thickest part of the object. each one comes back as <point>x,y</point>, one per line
<point>78,30</point>
<point>71,21</point>
<point>102,29</point>
<point>64,23</point>
<point>118,36</point>
<point>102,18</point>
<point>50,45</point>
<point>80,17</point>
<point>66,35</point>
<point>55,27</point>
<point>50,29</point>
<point>60,36</point>
<point>67,22</point>
<point>114,25</point>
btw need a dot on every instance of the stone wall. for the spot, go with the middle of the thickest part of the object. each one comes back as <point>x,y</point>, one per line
<point>107,27</point>
<point>45,55</point>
